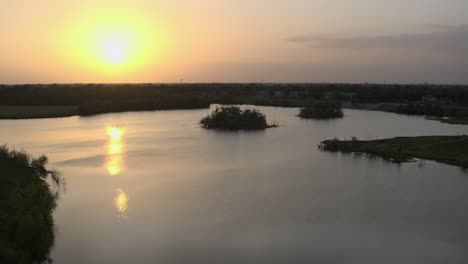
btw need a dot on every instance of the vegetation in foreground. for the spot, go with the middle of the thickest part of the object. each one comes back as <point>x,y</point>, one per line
<point>445,149</point>
<point>233,118</point>
<point>324,109</point>
<point>26,206</point>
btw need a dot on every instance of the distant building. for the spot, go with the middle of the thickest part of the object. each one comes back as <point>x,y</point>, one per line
<point>429,99</point>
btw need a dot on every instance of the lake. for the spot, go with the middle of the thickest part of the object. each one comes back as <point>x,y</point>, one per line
<point>153,187</point>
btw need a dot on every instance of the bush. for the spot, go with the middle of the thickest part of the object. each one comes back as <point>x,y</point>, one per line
<point>233,118</point>
<point>26,206</point>
<point>322,110</point>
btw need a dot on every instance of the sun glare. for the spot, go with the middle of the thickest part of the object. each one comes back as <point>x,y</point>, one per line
<point>114,151</point>
<point>114,133</point>
<point>118,44</point>
<point>114,51</point>
<point>117,48</point>
<point>121,202</point>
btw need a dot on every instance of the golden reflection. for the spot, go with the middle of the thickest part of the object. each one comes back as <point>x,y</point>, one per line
<point>114,133</point>
<point>121,202</point>
<point>114,150</point>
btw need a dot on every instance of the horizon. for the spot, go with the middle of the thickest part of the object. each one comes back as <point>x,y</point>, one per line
<point>239,83</point>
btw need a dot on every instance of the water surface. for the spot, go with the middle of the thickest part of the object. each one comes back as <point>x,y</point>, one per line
<point>153,187</point>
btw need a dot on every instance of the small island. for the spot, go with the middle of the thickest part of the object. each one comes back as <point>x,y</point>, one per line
<point>451,150</point>
<point>26,207</point>
<point>322,110</point>
<point>233,118</point>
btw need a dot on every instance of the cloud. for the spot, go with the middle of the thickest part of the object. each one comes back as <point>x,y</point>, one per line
<point>448,38</point>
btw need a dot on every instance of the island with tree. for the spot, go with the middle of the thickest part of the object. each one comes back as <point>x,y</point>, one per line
<point>234,118</point>
<point>323,109</point>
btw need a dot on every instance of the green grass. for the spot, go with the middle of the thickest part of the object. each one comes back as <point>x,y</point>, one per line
<point>26,206</point>
<point>445,149</point>
<point>21,112</point>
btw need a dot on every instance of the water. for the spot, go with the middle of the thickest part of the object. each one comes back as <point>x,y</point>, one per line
<point>153,187</point>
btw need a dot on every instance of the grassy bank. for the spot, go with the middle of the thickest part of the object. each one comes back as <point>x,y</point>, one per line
<point>23,112</point>
<point>26,206</point>
<point>445,113</point>
<point>445,149</point>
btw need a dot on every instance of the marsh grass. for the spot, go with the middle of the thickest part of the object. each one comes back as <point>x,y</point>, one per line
<point>445,149</point>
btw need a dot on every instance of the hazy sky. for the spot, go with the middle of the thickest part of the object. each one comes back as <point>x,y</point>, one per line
<point>397,41</point>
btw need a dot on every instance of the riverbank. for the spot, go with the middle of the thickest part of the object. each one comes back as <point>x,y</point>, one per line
<point>448,114</point>
<point>33,112</point>
<point>451,150</point>
<point>26,207</point>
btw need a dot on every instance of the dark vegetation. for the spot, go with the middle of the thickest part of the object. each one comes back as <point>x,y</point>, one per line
<point>89,99</point>
<point>446,113</point>
<point>323,109</point>
<point>445,149</point>
<point>233,118</point>
<point>26,206</point>
<point>21,112</point>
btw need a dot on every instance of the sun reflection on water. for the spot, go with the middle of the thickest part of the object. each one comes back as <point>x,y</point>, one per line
<point>121,202</point>
<point>114,151</point>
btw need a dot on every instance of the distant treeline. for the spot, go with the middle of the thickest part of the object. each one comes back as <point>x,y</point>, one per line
<point>436,109</point>
<point>101,98</point>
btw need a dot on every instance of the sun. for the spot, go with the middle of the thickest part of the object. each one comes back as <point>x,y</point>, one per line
<point>117,44</point>
<point>116,48</point>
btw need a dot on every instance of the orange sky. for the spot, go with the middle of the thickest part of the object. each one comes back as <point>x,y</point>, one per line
<point>233,41</point>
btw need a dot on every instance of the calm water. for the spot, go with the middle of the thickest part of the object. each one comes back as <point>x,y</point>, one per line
<point>156,188</point>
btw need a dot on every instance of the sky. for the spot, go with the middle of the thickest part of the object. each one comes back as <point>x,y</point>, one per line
<point>153,41</point>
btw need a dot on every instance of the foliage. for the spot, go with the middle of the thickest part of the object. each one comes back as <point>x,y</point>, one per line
<point>233,118</point>
<point>446,149</point>
<point>428,109</point>
<point>322,110</point>
<point>98,107</point>
<point>22,111</point>
<point>26,206</point>
<point>89,99</point>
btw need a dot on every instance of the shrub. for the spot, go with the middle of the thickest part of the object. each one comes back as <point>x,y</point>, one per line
<point>233,118</point>
<point>322,110</point>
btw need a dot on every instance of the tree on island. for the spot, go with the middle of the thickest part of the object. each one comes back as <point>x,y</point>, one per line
<point>322,110</point>
<point>233,118</point>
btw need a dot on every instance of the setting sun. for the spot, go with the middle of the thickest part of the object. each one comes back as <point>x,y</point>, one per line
<point>115,50</point>
<point>116,45</point>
